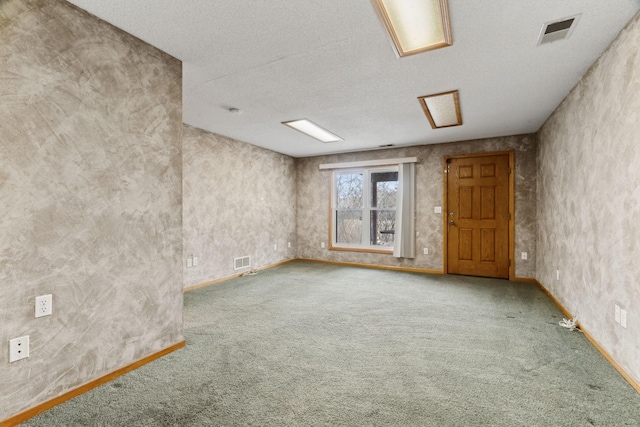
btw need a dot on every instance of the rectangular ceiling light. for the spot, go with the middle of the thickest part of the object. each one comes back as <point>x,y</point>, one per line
<point>442,109</point>
<point>415,26</point>
<point>313,130</point>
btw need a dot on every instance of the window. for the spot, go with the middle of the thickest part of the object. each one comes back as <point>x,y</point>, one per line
<point>364,209</point>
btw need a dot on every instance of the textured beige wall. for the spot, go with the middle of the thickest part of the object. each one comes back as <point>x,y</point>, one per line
<point>589,199</point>
<point>313,199</point>
<point>90,199</point>
<point>239,200</point>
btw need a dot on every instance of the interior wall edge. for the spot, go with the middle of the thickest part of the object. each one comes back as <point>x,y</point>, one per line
<point>90,177</point>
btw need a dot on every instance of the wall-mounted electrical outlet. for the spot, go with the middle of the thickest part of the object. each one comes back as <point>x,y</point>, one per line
<point>437,209</point>
<point>426,251</point>
<point>524,255</point>
<point>288,244</point>
<point>275,247</point>
<point>322,245</point>
<point>623,318</point>
<point>557,274</point>
<point>190,262</point>
<point>617,313</point>
<point>195,261</point>
<point>18,348</point>
<point>44,305</point>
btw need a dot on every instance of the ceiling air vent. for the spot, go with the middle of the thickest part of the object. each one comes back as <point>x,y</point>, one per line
<point>557,30</point>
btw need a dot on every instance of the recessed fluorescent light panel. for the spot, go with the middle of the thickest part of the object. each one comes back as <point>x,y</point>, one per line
<point>313,130</point>
<point>442,109</point>
<point>415,26</point>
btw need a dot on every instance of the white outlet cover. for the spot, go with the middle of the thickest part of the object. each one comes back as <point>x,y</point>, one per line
<point>195,261</point>
<point>44,305</point>
<point>524,255</point>
<point>426,251</point>
<point>18,348</point>
<point>322,245</point>
<point>437,209</point>
<point>189,262</point>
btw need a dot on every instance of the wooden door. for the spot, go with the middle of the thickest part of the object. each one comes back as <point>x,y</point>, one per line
<point>478,216</point>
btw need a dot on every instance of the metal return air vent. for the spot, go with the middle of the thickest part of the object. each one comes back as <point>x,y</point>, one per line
<point>242,262</point>
<point>557,30</point>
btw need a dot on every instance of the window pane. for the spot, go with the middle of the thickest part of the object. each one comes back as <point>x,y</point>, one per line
<point>349,191</point>
<point>349,227</point>
<point>384,189</point>
<point>383,224</point>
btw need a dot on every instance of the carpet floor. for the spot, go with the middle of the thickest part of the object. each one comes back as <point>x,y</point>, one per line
<point>308,344</point>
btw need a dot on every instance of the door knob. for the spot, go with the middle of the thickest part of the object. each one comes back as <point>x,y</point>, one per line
<point>452,222</point>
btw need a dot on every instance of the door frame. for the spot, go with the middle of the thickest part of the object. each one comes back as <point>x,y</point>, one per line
<point>512,217</point>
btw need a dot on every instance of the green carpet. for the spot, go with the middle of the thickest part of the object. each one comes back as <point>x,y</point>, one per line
<point>309,344</point>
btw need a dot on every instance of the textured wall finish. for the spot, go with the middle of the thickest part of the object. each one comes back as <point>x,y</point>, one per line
<point>589,199</point>
<point>90,199</point>
<point>313,199</point>
<point>239,200</point>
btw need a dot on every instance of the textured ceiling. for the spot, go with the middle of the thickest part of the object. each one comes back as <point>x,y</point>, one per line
<point>330,61</point>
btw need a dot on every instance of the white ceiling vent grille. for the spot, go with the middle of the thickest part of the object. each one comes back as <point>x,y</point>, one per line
<point>558,30</point>
<point>242,262</point>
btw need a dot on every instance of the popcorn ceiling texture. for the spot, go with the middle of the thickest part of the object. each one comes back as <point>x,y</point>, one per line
<point>589,199</point>
<point>239,200</point>
<point>313,199</point>
<point>90,199</point>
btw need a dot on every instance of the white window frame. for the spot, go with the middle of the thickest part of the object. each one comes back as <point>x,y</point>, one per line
<point>366,210</point>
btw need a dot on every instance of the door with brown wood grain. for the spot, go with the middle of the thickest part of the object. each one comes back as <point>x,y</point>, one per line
<point>478,216</point>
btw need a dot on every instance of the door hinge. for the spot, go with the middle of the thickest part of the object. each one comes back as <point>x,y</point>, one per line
<point>509,169</point>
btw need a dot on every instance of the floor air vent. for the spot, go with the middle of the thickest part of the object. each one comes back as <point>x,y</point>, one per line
<point>557,30</point>
<point>242,262</point>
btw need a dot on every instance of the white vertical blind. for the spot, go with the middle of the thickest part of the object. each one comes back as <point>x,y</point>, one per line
<point>405,236</point>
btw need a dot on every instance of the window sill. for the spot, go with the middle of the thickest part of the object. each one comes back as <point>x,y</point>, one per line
<point>356,249</point>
